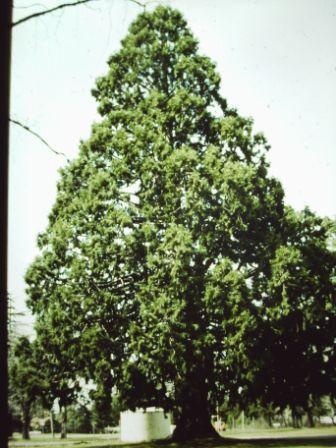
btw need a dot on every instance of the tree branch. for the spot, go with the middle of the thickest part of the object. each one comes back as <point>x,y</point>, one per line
<point>65,5</point>
<point>143,5</point>
<point>39,137</point>
<point>47,11</point>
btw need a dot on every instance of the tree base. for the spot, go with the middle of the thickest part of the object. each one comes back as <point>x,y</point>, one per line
<point>183,433</point>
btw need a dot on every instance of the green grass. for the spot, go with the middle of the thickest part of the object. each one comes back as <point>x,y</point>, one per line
<point>237,438</point>
<point>281,432</point>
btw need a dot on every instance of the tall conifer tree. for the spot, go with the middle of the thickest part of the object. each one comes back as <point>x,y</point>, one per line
<point>159,242</point>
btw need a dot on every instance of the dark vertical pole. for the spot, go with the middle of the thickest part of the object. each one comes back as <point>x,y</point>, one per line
<point>5,56</point>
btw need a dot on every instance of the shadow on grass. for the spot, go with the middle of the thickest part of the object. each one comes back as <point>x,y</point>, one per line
<point>319,441</point>
<point>287,441</point>
<point>226,442</point>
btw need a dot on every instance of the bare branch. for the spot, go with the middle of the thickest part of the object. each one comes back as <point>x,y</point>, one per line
<point>39,137</point>
<point>47,11</point>
<point>65,5</point>
<point>143,5</point>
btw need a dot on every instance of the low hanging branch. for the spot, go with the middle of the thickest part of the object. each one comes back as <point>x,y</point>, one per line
<point>64,5</point>
<point>39,137</point>
<point>47,11</point>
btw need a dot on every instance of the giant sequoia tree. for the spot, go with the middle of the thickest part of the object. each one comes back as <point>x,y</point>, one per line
<point>159,246</point>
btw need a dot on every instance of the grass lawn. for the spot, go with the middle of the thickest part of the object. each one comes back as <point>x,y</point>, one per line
<point>280,432</point>
<point>249,438</point>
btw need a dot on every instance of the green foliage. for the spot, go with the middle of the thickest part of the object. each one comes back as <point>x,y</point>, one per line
<point>56,359</point>
<point>102,408</point>
<point>79,419</point>
<point>169,255</point>
<point>26,380</point>
<point>298,317</point>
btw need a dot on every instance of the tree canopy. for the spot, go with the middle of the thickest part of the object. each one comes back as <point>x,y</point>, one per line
<point>168,236</point>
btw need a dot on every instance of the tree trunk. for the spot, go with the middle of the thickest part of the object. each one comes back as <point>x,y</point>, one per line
<point>310,419</point>
<point>194,419</point>
<point>25,421</point>
<point>52,423</point>
<point>269,420</point>
<point>63,422</point>
<point>294,419</point>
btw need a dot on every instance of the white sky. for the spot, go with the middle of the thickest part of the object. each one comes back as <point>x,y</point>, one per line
<point>277,60</point>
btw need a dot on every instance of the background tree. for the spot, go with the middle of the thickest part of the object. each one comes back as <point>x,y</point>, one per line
<point>295,348</point>
<point>56,357</point>
<point>25,379</point>
<point>79,419</point>
<point>161,244</point>
<point>101,408</point>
